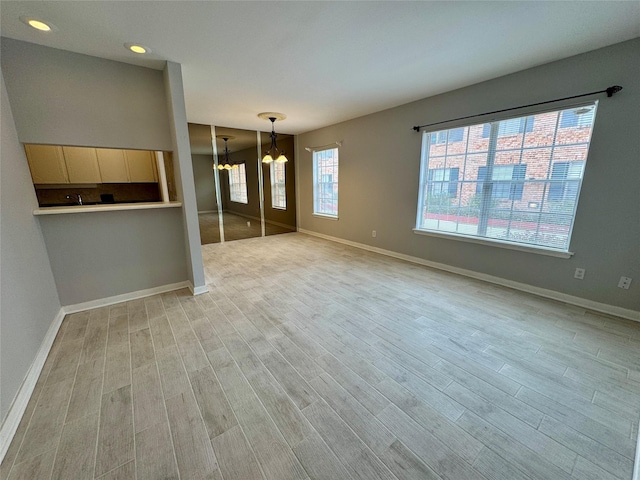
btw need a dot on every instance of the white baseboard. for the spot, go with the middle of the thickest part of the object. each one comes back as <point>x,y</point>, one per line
<point>19,404</point>
<point>125,297</point>
<point>198,290</point>
<point>541,292</point>
<point>20,401</point>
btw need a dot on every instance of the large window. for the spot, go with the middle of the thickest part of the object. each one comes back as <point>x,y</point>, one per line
<point>325,182</point>
<point>515,180</point>
<point>278,185</point>
<point>238,184</point>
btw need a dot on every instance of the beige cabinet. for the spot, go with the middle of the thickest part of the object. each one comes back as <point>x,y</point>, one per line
<point>57,164</point>
<point>47,164</point>
<point>113,165</point>
<point>142,166</point>
<point>82,164</point>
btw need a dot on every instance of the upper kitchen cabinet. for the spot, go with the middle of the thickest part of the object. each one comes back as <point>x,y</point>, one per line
<point>142,166</point>
<point>113,165</point>
<point>47,164</point>
<point>82,164</point>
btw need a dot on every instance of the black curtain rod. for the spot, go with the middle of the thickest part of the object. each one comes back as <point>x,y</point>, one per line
<point>609,91</point>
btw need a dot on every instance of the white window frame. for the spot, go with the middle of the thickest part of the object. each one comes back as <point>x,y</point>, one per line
<point>238,184</point>
<point>278,201</point>
<point>520,237</point>
<point>325,188</point>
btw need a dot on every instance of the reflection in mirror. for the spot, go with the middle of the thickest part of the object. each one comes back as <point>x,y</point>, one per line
<point>65,175</point>
<point>278,180</point>
<point>205,184</point>
<point>239,185</point>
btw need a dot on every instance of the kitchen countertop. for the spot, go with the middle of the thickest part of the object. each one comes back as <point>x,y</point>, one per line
<point>104,207</point>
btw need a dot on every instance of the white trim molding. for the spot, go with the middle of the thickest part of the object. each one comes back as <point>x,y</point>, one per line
<point>105,207</point>
<point>125,297</point>
<point>19,404</point>
<point>20,401</point>
<point>541,292</point>
<point>199,290</point>
<point>495,243</point>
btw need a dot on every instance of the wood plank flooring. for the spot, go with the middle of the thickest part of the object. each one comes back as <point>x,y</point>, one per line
<point>312,360</point>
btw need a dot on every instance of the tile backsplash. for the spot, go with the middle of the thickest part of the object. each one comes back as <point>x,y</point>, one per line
<point>49,196</point>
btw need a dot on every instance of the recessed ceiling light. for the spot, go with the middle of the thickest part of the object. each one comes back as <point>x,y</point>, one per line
<point>137,48</point>
<point>38,24</point>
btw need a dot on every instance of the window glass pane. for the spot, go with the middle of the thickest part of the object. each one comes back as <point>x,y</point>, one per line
<point>325,182</point>
<point>515,180</point>
<point>238,184</point>
<point>278,185</point>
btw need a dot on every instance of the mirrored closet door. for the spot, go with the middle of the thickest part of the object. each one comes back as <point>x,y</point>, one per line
<point>278,180</point>
<point>237,195</point>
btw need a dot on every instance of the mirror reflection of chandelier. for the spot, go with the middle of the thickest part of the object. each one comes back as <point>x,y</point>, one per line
<point>226,164</point>
<point>274,153</point>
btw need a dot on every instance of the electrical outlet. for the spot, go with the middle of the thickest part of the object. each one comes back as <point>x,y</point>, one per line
<point>625,282</point>
<point>248,224</point>
<point>579,273</point>
<point>374,233</point>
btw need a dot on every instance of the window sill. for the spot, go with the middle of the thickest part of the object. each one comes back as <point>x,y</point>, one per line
<point>284,209</point>
<point>496,243</point>
<point>104,208</point>
<point>328,217</point>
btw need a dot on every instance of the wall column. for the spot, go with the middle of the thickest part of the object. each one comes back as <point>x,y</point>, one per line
<point>183,169</point>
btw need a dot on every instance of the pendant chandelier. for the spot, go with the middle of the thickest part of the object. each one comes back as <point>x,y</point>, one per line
<point>226,164</point>
<point>274,153</point>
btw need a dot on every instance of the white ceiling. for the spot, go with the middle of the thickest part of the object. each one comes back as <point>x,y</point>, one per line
<point>325,62</point>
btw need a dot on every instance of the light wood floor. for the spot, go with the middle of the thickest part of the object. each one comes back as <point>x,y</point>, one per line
<point>309,359</point>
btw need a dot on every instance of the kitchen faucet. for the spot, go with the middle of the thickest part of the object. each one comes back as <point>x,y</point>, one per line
<point>76,197</point>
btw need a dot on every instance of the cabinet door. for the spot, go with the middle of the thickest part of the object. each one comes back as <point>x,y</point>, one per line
<point>113,165</point>
<point>82,164</point>
<point>142,166</point>
<point>46,163</point>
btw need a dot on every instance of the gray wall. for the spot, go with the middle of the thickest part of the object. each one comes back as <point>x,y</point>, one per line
<point>65,98</point>
<point>99,255</point>
<point>205,182</point>
<point>107,104</point>
<point>379,175</point>
<point>28,298</point>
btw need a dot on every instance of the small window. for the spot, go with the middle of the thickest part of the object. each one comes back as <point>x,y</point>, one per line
<point>278,185</point>
<point>577,117</point>
<point>565,179</point>
<point>238,184</point>
<point>443,182</point>
<point>512,126</point>
<point>325,182</point>
<point>453,135</point>
<point>507,181</point>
